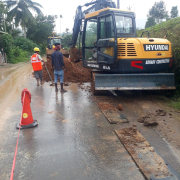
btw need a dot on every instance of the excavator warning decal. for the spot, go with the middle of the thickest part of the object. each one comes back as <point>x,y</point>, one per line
<point>134,64</point>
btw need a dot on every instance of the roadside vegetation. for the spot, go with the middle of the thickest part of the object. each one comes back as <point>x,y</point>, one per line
<point>25,31</point>
<point>160,24</point>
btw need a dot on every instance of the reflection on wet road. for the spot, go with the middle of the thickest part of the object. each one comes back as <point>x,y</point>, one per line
<point>73,141</point>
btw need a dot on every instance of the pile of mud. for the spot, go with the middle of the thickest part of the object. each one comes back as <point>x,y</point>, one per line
<point>75,72</point>
<point>151,119</point>
<point>74,54</point>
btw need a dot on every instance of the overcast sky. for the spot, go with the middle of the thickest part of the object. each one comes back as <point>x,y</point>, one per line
<point>67,9</point>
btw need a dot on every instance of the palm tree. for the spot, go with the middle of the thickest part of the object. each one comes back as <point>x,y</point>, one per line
<point>3,12</point>
<point>21,12</point>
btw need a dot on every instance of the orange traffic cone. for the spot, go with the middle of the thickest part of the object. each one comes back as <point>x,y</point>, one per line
<point>26,116</point>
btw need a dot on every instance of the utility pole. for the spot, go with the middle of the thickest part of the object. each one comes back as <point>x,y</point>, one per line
<point>60,23</point>
<point>118,4</point>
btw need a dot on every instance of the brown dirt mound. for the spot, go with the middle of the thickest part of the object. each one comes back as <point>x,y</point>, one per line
<point>74,54</point>
<point>75,72</point>
<point>151,119</point>
<point>120,107</point>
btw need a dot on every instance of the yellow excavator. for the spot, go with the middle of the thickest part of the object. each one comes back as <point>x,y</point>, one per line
<point>51,44</point>
<point>118,58</point>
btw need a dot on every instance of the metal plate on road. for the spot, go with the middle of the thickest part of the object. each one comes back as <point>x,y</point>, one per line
<point>111,113</point>
<point>150,163</point>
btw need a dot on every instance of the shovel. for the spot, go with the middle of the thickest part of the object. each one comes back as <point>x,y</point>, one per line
<point>49,75</point>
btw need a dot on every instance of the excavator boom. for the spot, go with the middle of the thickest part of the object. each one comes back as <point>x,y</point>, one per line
<point>80,16</point>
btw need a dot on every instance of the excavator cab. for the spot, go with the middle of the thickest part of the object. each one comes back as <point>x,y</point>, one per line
<point>51,45</point>
<point>52,41</point>
<point>101,31</point>
<point>118,58</point>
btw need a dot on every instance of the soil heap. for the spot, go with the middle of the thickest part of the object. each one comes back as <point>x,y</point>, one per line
<point>75,72</point>
<point>74,54</point>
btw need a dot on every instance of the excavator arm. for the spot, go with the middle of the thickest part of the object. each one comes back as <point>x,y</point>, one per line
<point>80,15</point>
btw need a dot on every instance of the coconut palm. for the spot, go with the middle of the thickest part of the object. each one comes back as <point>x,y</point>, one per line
<point>3,12</point>
<point>21,11</point>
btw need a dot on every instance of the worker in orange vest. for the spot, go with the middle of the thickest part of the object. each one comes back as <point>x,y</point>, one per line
<point>37,66</point>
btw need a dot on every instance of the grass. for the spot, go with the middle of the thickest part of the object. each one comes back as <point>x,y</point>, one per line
<point>175,104</point>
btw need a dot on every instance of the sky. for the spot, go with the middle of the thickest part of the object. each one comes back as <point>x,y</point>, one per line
<point>67,9</point>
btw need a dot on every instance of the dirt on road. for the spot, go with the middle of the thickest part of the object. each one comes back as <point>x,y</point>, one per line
<point>75,72</point>
<point>148,111</point>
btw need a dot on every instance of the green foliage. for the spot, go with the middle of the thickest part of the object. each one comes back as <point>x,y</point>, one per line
<point>8,44</point>
<point>66,39</point>
<point>3,12</point>
<point>40,32</point>
<point>25,44</point>
<point>15,33</point>
<point>67,48</point>
<point>150,22</point>
<point>19,55</point>
<point>174,12</point>
<point>13,52</point>
<point>21,11</point>
<point>158,12</point>
<point>175,104</point>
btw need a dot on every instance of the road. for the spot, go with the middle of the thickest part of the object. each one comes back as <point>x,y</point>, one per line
<point>74,140</point>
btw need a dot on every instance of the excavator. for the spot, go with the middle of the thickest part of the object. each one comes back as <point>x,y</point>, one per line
<point>51,41</point>
<point>118,58</point>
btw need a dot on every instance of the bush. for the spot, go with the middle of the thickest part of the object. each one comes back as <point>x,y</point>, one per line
<point>8,45</point>
<point>25,44</point>
<point>20,55</point>
<point>14,53</point>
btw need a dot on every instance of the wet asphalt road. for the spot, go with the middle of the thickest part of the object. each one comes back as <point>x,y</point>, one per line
<point>73,141</point>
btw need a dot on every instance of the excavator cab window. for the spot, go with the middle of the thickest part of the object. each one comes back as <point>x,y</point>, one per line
<point>90,41</point>
<point>106,27</point>
<point>124,25</point>
<point>106,43</point>
<point>53,41</point>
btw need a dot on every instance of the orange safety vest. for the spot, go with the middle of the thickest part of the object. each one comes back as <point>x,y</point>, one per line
<point>36,63</point>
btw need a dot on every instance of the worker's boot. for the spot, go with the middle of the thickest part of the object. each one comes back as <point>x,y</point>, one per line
<point>56,89</point>
<point>62,90</point>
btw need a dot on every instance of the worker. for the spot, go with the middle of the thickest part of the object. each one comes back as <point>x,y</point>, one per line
<point>37,66</point>
<point>58,66</point>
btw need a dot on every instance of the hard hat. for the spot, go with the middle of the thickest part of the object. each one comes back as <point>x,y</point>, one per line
<point>36,49</point>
